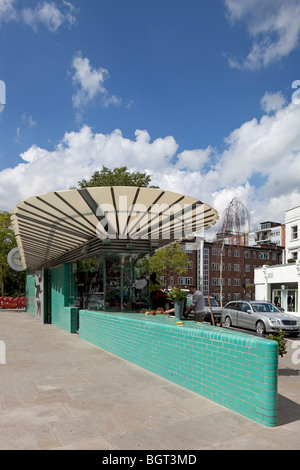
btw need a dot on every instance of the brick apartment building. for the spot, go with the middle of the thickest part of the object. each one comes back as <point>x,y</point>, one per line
<point>238,263</point>
<point>269,233</point>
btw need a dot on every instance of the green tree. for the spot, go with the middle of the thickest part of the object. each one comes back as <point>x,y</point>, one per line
<point>169,261</point>
<point>7,243</point>
<point>117,177</point>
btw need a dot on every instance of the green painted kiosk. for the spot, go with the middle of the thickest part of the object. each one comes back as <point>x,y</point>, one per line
<point>86,254</point>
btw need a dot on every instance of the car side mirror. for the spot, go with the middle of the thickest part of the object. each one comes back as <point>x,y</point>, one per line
<point>249,311</point>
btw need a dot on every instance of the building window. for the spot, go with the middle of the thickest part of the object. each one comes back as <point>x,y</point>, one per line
<point>237,282</point>
<point>263,255</point>
<point>236,253</point>
<point>247,268</point>
<point>185,281</point>
<point>206,271</point>
<point>237,296</point>
<point>294,232</point>
<point>236,268</point>
<point>216,266</point>
<point>190,264</point>
<point>216,281</point>
<point>187,248</point>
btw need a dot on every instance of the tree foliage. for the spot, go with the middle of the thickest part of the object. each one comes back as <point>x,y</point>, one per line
<point>7,237</point>
<point>167,261</point>
<point>117,177</point>
<point>10,282</point>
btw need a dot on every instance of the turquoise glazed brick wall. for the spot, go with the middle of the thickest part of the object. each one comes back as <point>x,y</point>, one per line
<point>30,293</point>
<point>236,370</point>
<point>62,315</point>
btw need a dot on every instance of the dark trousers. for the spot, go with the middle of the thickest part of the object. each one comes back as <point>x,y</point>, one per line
<point>199,316</point>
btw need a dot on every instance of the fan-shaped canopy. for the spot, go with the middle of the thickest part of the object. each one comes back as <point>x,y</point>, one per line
<point>53,224</point>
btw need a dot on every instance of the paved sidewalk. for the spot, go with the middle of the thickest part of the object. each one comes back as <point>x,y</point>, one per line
<point>59,392</point>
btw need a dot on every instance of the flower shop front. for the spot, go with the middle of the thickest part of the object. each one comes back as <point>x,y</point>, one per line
<point>88,249</point>
<point>86,255</point>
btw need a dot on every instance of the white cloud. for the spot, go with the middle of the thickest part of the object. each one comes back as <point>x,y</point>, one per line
<point>77,156</point>
<point>274,26</point>
<point>48,14</point>
<point>195,159</point>
<point>272,102</point>
<point>29,120</point>
<point>89,84</point>
<point>7,10</point>
<point>260,165</point>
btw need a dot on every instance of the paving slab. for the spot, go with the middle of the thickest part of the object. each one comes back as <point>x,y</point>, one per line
<point>58,392</point>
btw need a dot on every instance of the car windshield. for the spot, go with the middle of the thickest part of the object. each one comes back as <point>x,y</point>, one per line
<point>264,307</point>
<point>213,302</point>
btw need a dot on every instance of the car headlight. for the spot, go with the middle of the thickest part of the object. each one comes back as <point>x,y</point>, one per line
<point>275,321</point>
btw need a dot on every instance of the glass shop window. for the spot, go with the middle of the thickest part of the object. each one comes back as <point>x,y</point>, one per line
<point>113,282</point>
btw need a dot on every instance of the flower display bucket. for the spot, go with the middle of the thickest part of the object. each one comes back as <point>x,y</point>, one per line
<point>178,309</point>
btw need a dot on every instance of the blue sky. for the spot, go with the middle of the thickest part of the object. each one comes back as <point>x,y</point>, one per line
<point>197,92</point>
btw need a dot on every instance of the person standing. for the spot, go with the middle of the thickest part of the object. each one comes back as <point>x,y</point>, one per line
<point>197,304</point>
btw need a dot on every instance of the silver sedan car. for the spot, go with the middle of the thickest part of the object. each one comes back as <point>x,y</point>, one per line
<point>260,316</point>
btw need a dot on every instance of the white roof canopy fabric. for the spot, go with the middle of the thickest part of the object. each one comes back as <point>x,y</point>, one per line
<point>50,225</point>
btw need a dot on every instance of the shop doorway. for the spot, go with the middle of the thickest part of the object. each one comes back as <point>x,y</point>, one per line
<point>276,298</point>
<point>292,300</point>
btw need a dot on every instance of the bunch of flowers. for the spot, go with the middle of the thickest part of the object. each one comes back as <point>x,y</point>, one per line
<point>159,295</point>
<point>177,294</point>
<point>153,312</point>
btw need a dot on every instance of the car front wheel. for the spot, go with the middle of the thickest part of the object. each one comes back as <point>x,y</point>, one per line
<point>227,322</point>
<point>260,328</point>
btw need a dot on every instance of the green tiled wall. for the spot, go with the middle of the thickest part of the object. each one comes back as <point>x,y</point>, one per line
<point>30,294</point>
<point>62,315</point>
<point>236,370</point>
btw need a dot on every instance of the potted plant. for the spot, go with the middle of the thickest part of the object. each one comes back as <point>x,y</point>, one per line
<point>178,296</point>
<point>281,342</point>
